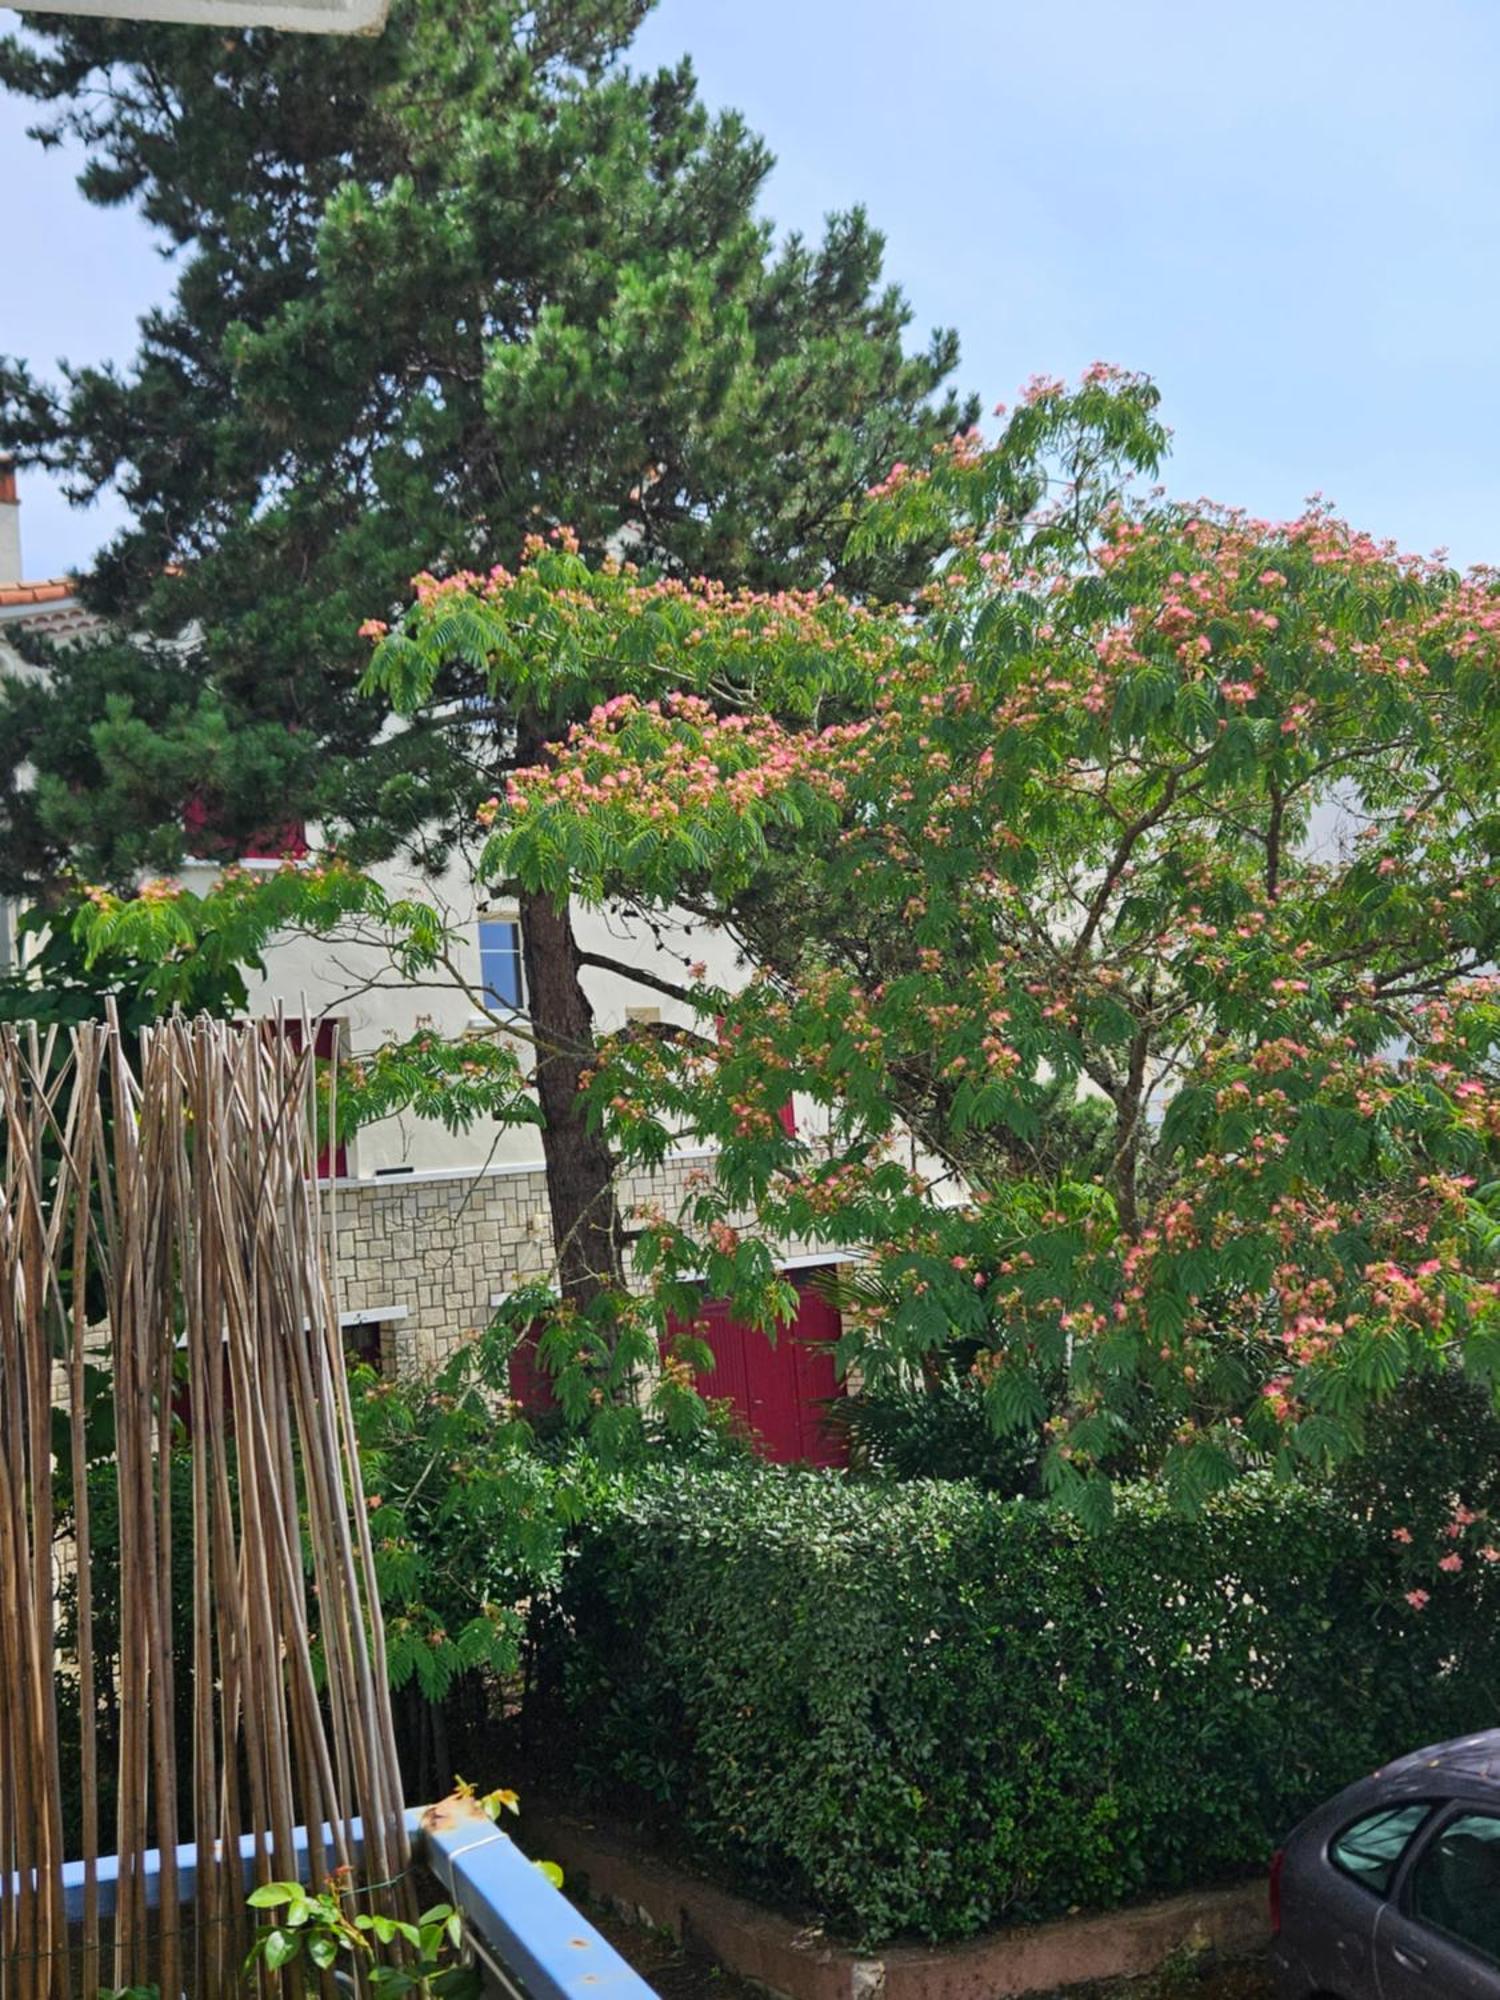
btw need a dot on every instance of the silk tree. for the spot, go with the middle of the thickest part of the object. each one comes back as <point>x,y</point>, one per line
<point>1162,807</point>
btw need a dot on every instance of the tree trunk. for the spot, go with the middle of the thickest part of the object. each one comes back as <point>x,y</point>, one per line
<point>580,1167</point>
<point>1130,1104</point>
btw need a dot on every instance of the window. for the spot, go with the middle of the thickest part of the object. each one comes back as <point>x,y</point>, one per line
<point>1455,1885</point>
<point>1371,1849</point>
<point>500,963</point>
<point>369,1338</point>
<point>363,1345</point>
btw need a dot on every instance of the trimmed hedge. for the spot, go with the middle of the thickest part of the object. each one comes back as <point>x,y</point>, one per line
<point>919,1709</point>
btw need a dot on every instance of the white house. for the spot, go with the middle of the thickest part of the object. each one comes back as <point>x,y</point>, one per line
<point>438,1226</point>
<point>48,606</point>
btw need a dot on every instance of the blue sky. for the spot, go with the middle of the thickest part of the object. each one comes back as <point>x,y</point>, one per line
<point>1288,213</point>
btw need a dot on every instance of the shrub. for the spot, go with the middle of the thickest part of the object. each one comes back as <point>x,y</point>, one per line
<point>924,1709</point>
<point>471,1506</point>
<point>940,1432</point>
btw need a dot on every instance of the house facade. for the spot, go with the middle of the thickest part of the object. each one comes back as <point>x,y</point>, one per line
<point>47,606</point>
<point>435,1228</point>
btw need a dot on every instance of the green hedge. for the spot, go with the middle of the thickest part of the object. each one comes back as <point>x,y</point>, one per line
<point>919,1709</point>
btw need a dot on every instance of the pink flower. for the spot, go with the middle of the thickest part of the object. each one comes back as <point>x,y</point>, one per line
<point>1453,1564</point>
<point>1401,1535</point>
<point>374,628</point>
<point>1418,1599</point>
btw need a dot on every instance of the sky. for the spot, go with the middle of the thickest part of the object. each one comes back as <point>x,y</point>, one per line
<point>1288,214</point>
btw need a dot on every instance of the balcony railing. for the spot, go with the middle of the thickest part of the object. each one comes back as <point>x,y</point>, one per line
<point>529,1941</point>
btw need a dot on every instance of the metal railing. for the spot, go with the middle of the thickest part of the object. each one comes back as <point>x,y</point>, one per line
<point>530,1942</point>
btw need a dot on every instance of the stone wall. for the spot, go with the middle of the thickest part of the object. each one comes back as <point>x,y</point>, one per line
<point>425,1255</point>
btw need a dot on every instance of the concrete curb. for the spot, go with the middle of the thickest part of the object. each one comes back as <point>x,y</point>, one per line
<point>800,1964</point>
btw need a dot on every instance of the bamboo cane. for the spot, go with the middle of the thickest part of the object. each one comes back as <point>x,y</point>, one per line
<point>180,1187</point>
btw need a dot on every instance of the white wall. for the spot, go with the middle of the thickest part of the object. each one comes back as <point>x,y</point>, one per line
<point>355,981</point>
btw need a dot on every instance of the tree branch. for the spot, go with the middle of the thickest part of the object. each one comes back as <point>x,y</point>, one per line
<point>638,977</point>
<point>1171,785</point>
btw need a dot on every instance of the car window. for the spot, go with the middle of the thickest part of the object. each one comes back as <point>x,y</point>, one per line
<point>1455,1885</point>
<point>1371,1849</point>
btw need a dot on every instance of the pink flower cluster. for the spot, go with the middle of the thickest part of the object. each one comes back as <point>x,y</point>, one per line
<point>1460,1522</point>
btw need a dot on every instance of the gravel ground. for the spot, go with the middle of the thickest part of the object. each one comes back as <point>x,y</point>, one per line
<point>1241,1980</point>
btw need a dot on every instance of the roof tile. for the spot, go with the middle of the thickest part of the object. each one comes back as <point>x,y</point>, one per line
<point>54,591</point>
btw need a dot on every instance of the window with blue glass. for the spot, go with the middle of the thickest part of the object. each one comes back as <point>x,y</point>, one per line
<point>500,963</point>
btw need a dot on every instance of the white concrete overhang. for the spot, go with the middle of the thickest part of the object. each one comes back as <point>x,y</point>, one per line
<point>300,17</point>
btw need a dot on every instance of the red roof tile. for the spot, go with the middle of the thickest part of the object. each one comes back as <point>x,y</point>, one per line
<point>53,592</point>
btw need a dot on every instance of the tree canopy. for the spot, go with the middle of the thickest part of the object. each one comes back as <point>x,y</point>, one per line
<point>437,290</point>
<point>434,289</point>
<point>1180,812</point>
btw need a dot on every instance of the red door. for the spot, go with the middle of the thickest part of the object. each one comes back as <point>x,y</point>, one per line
<point>811,1346</point>
<point>778,1391</point>
<point>531,1384</point>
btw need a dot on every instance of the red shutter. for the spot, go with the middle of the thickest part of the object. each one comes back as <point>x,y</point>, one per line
<point>787,1113</point>
<point>778,1392</point>
<point>530,1383</point>
<point>286,842</point>
<point>325,1043</point>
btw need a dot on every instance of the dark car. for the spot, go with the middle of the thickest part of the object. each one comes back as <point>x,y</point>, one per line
<point>1392,1890</point>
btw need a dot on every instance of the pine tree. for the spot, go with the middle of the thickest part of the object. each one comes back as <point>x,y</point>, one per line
<point>436,290</point>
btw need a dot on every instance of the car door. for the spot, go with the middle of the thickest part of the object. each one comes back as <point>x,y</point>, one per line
<point>1334,1886</point>
<point>1439,1936</point>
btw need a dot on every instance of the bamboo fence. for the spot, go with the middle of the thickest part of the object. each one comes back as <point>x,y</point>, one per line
<point>160,1216</point>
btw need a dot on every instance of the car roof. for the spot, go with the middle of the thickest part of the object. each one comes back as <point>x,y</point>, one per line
<point>1464,1769</point>
<point>1473,1758</point>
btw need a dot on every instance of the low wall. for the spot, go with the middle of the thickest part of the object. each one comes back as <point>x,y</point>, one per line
<point>800,1963</point>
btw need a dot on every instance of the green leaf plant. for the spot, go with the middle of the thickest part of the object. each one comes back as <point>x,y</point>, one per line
<point>315,1926</point>
<point>1120,912</point>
